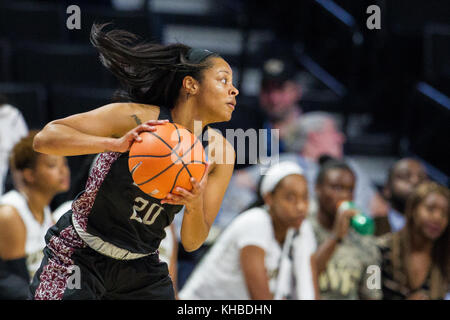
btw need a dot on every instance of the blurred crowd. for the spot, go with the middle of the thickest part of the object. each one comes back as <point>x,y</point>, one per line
<point>281,232</point>
<point>408,245</point>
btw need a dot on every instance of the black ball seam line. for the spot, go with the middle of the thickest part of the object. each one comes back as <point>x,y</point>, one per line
<point>157,175</point>
<point>176,178</point>
<point>179,158</point>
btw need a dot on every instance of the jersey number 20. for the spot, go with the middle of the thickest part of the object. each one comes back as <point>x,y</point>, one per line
<point>151,213</point>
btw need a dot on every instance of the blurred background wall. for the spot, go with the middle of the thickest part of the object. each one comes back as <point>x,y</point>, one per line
<point>389,88</point>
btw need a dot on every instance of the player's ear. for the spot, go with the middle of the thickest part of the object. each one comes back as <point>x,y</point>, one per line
<point>190,85</point>
<point>28,175</point>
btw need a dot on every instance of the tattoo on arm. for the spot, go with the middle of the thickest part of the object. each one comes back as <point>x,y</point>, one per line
<point>135,117</point>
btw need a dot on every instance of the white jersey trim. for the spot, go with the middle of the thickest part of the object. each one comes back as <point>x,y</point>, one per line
<point>106,248</point>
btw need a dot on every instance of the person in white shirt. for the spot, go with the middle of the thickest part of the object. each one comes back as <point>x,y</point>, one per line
<point>25,215</point>
<point>313,135</point>
<point>12,128</point>
<point>264,248</point>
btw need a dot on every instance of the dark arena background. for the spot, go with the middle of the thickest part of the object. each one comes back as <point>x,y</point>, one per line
<point>382,74</point>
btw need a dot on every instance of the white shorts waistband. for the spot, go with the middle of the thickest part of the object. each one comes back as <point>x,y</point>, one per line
<point>106,248</point>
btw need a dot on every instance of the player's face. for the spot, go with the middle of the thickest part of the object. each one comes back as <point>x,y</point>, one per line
<point>217,94</point>
<point>51,173</point>
<point>431,216</point>
<point>338,185</point>
<point>289,201</point>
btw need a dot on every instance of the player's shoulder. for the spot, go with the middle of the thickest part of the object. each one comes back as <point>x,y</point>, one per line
<point>144,112</point>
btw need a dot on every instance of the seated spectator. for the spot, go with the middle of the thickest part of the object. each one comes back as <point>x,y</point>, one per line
<point>416,259</point>
<point>12,128</point>
<point>343,255</point>
<point>251,258</point>
<point>403,177</point>
<point>25,214</point>
<point>314,135</point>
<point>78,186</point>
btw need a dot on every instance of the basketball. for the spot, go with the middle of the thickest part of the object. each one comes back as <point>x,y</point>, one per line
<point>165,159</point>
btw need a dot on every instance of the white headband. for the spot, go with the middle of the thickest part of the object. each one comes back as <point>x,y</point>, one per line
<point>276,173</point>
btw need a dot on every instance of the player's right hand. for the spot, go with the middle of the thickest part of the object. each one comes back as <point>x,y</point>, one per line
<point>123,144</point>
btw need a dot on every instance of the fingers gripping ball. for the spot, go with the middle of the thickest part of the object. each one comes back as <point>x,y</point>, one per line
<point>165,159</point>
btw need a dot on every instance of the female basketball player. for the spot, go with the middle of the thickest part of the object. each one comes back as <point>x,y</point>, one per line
<point>106,246</point>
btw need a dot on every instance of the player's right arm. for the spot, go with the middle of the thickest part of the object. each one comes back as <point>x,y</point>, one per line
<point>112,127</point>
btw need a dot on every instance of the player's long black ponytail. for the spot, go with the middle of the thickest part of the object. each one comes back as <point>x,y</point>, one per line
<point>148,72</point>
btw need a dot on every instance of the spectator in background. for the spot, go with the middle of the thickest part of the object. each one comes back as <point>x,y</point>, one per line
<point>250,259</point>
<point>416,259</point>
<point>12,128</point>
<point>25,214</point>
<point>403,177</point>
<point>279,96</point>
<point>317,134</point>
<point>313,135</point>
<point>78,186</point>
<point>343,255</point>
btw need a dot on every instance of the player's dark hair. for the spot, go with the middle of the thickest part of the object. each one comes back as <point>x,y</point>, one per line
<point>149,73</point>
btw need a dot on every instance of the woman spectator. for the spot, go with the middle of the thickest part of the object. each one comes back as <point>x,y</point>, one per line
<point>416,258</point>
<point>250,259</point>
<point>343,255</point>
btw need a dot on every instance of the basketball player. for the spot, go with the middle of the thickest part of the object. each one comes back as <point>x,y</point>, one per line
<point>107,254</point>
<point>25,214</point>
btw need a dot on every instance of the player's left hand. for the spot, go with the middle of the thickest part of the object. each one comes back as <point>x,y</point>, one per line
<point>190,199</point>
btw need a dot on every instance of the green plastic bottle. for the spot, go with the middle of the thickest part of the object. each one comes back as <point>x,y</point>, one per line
<point>362,223</point>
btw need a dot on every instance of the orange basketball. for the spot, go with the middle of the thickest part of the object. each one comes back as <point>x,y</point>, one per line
<point>165,159</point>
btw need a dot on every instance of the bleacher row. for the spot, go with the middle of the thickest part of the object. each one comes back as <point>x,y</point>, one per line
<point>49,71</point>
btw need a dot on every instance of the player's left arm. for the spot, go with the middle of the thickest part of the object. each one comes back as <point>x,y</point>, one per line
<point>218,180</point>
<point>203,202</point>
